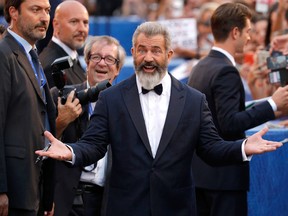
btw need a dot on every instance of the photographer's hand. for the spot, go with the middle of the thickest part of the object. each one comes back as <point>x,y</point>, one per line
<point>280,97</point>
<point>67,113</point>
<point>279,43</point>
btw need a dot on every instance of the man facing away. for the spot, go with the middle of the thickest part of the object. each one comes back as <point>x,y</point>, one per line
<point>153,124</point>
<point>71,26</point>
<point>223,190</point>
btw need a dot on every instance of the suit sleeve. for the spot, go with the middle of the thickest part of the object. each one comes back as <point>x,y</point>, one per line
<point>93,144</point>
<point>212,148</point>
<point>230,107</point>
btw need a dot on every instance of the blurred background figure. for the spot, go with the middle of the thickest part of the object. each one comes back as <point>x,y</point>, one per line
<point>204,34</point>
<point>2,30</point>
<point>277,20</point>
<point>133,8</point>
<point>155,9</point>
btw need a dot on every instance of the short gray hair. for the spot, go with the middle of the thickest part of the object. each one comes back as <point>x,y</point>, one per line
<point>121,53</point>
<point>150,29</point>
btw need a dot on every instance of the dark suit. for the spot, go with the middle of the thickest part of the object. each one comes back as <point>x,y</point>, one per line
<point>74,75</point>
<point>67,178</point>
<point>22,121</point>
<point>140,184</point>
<point>220,81</point>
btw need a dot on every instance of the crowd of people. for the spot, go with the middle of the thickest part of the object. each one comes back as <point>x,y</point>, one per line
<point>150,145</point>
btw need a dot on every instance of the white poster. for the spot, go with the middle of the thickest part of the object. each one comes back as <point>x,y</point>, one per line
<point>183,32</point>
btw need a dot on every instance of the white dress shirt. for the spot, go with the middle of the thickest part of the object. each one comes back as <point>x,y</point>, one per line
<point>72,53</point>
<point>154,108</point>
<point>97,175</point>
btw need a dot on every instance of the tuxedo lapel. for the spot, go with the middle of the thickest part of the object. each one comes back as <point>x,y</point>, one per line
<point>132,101</point>
<point>174,113</point>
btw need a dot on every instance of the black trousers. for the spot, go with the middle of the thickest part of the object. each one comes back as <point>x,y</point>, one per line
<point>220,203</point>
<point>88,201</point>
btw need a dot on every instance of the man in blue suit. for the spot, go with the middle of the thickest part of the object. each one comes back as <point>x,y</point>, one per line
<point>153,133</point>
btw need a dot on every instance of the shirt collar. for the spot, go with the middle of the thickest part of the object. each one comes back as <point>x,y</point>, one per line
<point>227,54</point>
<point>166,83</point>
<point>27,47</point>
<point>72,53</point>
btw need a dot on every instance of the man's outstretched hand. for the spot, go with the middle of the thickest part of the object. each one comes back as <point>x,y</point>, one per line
<point>57,150</point>
<point>256,145</point>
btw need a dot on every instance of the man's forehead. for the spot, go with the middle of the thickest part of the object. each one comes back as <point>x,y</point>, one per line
<point>150,41</point>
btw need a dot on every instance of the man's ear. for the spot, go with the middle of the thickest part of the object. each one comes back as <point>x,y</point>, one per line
<point>13,13</point>
<point>170,54</point>
<point>235,33</point>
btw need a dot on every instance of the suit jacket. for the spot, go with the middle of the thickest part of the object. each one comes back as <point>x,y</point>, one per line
<point>220,81</point>
<point>22,121</point>
<point>67,178</point>
<point>74,75</point>
<point>140,184</point>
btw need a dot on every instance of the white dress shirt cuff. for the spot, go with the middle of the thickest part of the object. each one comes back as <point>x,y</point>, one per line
<point>272,104</point>
<point>73,155</point>
<point>244,156</point>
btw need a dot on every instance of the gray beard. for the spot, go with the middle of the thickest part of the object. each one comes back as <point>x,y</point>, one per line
<point>149,81</point>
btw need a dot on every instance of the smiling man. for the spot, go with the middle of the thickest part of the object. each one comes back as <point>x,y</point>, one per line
<point>153,135</point>
<point>71,26</point>
<point>79,190</point>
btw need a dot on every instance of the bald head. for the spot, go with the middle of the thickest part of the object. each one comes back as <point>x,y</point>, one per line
<point>69,7</point>
<point>71,24</point>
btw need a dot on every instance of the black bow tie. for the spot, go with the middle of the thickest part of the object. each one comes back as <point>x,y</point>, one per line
<point>158,89</point>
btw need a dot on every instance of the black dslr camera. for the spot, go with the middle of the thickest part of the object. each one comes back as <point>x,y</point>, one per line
<point>85,96</point>
<point>278,65</point>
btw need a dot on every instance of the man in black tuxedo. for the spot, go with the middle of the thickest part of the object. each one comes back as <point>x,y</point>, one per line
<point>153,124</point>
<point>26,111</point>
<point>70,30</point>
<point>223,190</point>
<point>78,190</point>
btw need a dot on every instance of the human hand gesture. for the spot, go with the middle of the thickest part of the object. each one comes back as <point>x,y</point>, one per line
<point>57,150</point>
<point>257,145</point>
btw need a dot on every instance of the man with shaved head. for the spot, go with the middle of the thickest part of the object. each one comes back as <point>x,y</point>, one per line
<point>71,26</point>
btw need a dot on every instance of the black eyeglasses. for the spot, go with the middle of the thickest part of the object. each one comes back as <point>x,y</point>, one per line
<point>109,60</point>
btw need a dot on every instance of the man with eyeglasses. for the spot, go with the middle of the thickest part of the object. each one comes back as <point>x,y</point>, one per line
<point>71,26</point>
<point>79,190</point>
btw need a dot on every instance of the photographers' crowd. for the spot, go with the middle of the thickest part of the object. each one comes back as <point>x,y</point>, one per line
<point>74,144</point>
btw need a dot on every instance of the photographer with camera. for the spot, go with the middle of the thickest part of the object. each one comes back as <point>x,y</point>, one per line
<point>79,191</point>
